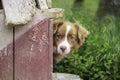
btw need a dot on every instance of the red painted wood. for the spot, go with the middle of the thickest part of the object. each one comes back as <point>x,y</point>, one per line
<point>31,58</point>
<point>33,53</point>
<point>6,63</point>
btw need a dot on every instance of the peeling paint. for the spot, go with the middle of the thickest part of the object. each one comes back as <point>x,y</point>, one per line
<point>5,52</point>
<point>33,35</point>
<point>45,38</point>
<point>0,53</point>
<point>43,41</point>
<point>31,48</point>
<point>40,47</point>
<point>31,52</point>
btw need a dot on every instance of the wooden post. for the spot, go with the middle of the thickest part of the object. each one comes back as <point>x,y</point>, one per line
<point>26,42</point>
<point>32,50</point>
<point>6,50</point>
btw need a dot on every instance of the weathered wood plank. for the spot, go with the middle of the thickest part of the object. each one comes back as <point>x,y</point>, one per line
<point>33,50</point>
<point>6,34</point>
<point>42,4</point>
<point>18,12</point>
<point>53,12</point>
<point>6,50</point>
<point>6,62</point>
<point>32,58</point>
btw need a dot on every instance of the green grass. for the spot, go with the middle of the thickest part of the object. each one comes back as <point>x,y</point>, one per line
<point>99,56</point>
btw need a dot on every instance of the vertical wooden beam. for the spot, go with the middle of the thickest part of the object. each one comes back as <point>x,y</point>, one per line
<point>32,43</point>
<point>6,50</point>
<point>32,50</point>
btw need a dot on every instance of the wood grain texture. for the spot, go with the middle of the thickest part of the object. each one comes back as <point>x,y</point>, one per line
<point>18,12</point>
<point>32,56</point>
<point>6,62</point>
<point>32,50</point>
<point>6,34</point>
<point>6,50</point>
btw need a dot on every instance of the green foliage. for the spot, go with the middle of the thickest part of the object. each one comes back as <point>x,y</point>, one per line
<point>98,58</point>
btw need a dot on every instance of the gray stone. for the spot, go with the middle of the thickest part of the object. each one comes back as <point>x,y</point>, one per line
<point>65,76</point>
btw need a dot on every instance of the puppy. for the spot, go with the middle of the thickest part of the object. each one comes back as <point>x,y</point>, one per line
<point>67,37</point>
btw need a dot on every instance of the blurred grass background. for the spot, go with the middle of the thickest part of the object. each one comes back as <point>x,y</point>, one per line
<point>99,57</point>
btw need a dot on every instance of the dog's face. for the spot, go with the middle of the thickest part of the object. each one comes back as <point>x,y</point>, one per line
<point>67,37</point>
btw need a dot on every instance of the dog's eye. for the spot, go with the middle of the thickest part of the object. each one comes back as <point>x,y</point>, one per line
<point>58,36</point>
<point>72,37</point>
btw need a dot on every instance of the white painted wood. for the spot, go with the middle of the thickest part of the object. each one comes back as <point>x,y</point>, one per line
<point>18,12</point>
<point>6,33</point>
<point>53,12</point>
<point>42,4</point>
<point>49,3</point>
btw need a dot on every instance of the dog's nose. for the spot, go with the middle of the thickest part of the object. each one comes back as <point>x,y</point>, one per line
<point>63,48</point>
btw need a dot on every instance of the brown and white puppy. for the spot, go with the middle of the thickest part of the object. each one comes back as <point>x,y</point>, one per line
<point>67,37</point>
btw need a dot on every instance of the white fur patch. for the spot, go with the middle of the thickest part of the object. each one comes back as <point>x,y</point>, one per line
<point>65,43</point>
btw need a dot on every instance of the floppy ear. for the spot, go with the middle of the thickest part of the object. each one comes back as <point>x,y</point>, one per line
<point>82,33</point>
<point>56,25</point>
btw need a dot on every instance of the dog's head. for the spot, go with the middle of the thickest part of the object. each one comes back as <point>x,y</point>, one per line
<point>67,36</point>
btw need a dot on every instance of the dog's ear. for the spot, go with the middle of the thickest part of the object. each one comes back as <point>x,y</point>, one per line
<point>82,33</point>
<point>56,25</point>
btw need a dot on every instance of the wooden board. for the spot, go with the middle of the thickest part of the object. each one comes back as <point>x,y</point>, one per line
<point>29,57</point>
<point>18,12</point>
<point>32,54</point>
<point>6,50</point>
<point>6,63</point>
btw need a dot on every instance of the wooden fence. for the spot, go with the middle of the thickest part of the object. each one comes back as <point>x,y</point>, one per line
<point>26,39</point>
